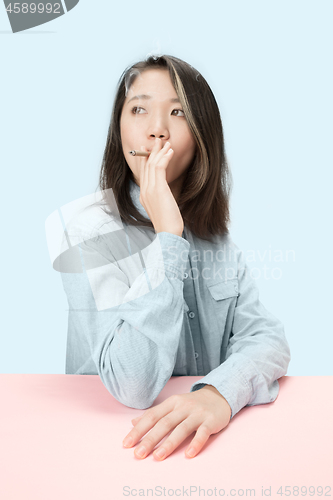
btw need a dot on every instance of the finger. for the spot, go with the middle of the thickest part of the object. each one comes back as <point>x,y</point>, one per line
<point>156,148</point>
<point>160,430</point>
<point>162,165</point>
<point>198,442</point>
<point>143,160</point>
<point>181,432</point>
<point>148,420</point>
<point>167,154</point>
<point>136,420</point>
<point>160,162</point>
<point>158,151</point>
<point>154,155</point>
<point>160,154</point>
<point>143,171</point>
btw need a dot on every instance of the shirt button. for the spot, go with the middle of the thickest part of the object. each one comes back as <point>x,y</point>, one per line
<point>196,355</point>
<point>191,314</point>
<point>185,276</point>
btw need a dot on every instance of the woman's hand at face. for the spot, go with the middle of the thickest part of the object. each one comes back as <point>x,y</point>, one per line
<point>155,194</point>
<point>204,411</point>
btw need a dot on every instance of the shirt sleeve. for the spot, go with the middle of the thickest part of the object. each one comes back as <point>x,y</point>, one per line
<point>257,353</point>
<point>134,343</point>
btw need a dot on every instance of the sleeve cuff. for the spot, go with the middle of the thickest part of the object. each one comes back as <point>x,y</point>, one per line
<point>231,381</point>
<point>170,252</point>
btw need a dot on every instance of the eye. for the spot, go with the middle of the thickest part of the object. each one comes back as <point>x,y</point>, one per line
<point>180,111</point>
<point>134,110</point>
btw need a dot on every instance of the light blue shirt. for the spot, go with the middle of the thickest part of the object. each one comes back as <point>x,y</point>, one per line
<point>150,306</point>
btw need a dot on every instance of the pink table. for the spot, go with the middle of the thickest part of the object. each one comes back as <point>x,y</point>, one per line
<point>61,439</point>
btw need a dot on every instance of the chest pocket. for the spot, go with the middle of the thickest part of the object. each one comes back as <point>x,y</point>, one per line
<point>224,297</point>
<point>224,294</point>
<point>224,289</point>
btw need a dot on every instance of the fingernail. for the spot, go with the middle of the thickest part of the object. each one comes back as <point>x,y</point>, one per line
<point>141,452</point>
<point>128,441</point>
<point>191,452</point>
<point>160,453</point>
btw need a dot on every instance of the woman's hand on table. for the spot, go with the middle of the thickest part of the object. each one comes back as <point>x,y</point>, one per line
<point>204,411</point>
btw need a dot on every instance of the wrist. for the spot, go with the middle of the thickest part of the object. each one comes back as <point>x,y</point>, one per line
<point>211,388</point>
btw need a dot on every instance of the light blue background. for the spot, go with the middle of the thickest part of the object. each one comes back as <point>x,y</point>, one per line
<point>269,65</point>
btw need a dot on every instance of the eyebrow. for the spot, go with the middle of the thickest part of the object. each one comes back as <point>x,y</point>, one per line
<point>145,96</point>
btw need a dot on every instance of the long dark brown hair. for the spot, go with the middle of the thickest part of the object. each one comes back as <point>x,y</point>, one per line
<point>204,199</point>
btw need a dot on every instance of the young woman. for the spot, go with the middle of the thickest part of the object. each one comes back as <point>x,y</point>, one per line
<point>165,291</point>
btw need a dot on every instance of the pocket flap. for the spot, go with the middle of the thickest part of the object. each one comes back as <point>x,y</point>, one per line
<point>224,289</point>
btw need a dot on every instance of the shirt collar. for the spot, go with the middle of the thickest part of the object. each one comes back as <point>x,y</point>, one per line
<point>135,195</point>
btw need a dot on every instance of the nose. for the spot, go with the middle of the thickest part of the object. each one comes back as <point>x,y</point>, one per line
<point>163,135</point>
<point>158,128</point>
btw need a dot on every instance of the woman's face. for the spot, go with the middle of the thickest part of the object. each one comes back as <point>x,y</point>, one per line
<point>159,115</point>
